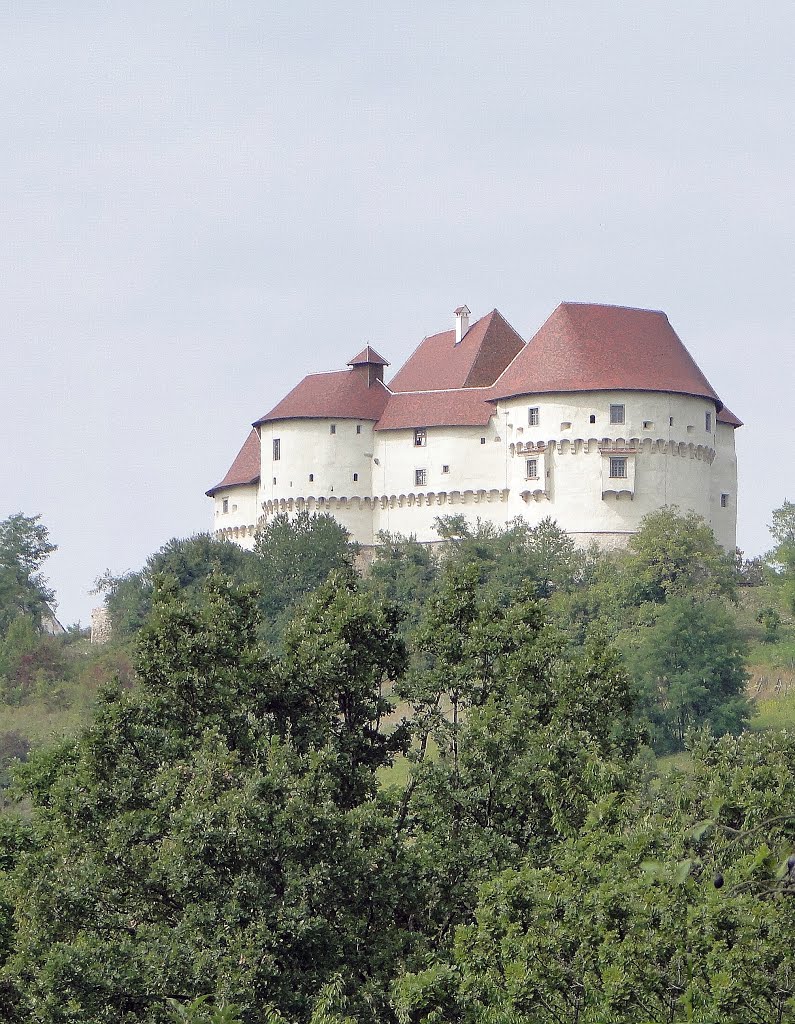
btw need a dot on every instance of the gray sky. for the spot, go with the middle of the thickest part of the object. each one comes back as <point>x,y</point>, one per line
<point>201,202</point>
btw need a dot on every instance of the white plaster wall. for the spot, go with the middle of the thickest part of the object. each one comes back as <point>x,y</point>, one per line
<point>672,460</point>
<point>724,481</point>
<point>308,448</point>
<point>474,466</point>
<point>240,521</point>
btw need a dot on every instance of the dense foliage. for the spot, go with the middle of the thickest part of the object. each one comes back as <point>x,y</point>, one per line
<point>424,795</point>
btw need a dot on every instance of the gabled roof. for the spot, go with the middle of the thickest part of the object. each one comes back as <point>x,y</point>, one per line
<point>341,395</point>
<point>585,347</point>
<point>368,356</point>
<point>476,361</point>
<point>461,408</point>
<point>245,468</point>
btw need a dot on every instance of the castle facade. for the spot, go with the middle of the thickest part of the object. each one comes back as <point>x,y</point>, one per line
<point>601,417</point>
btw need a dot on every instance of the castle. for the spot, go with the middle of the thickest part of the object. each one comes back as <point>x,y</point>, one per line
<point>601,417</point>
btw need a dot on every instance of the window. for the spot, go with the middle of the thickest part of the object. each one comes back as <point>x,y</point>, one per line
<point>532,469</point>
<point>445,469</point>
<point>616,413</point>
<point>419,477</point>
<point>670,421</point>
<point>565,425</point>
<point>648,425</point>
<point>532,416</point>
<point>708,422</point>
<point>355,477</point>
<point>724,501</point>
<point>311,477</point>
<point>592,418</point>
<point>277,449</point>
<point>332,428</point>
<point>483,440</point>
<point>225,505</point>
<point>618,468</point>
<point>420,437</point>
<point>274,481</point>
<point>358,428</point>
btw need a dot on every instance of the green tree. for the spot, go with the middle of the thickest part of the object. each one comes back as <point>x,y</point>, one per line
<point>187,561</point>
<point>690,671</point>
<point>24,547</point>
<point>674,554</point>
<point>294,555</point>
<point>782,557</point>
<point>624,923</point>
<point>190,844</point>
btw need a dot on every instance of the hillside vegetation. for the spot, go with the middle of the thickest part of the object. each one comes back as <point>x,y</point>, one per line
<point>291,793</point>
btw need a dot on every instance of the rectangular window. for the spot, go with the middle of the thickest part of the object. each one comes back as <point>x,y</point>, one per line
<point>532,469</point>
<point>277,449</point>
<point>355,477</point>
<point>618,468</point>
<point>358,428</point>
<point>708,422</point>
<point>332,428</point>
<point>724,501</point>
<point>445,469</point>
<point>483,440</point>
<point>225,505</point>
<point>532,416</point>
<point>311,477</point>
<point>420,436</point>
<point>419,477</point>
<point>616,413</point>
<point>565,425</point>
<point>670,421</point>
<point>648,425</point>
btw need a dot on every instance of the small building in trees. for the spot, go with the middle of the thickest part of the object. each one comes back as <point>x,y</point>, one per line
<point>602,417</point>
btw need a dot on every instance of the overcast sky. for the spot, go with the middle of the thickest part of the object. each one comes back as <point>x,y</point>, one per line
<point>202,202</point>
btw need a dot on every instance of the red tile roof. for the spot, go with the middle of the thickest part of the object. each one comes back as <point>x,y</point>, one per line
<point>368,356</point>
<point>245,468</point>
<point>466,408</point>
<point>584,347</point>
<point>438,364</point>
<point>340,395</point>
<point>727,416</point>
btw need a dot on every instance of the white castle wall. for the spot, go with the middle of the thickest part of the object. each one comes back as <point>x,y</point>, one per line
<point>366,478</point>
<point>236,514</point>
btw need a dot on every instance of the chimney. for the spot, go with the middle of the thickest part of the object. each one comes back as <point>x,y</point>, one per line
<point>461,323</point>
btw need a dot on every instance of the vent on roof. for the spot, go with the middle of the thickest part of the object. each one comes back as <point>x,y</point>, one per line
<point>461,323</point>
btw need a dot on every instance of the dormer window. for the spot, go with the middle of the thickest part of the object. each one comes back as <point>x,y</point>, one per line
<point>420,437</point>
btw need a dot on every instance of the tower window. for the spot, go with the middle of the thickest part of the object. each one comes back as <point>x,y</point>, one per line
<point>355,477</point>
<point>358,428</point>
<point>616,413</point>
<point>445,469</point>
<point>592,418</point>
<point>708,422</point>
<point>618,468</point>
<point>419,477</point>
<point>277,449</point>
<point>311,477</point>
<point>483,440</point>
<point>332,428</point>
<point>531,469</point>
<point>532,416</point>
<point>420,437</point>
<point>724,501</point>
<point>225,505</point>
